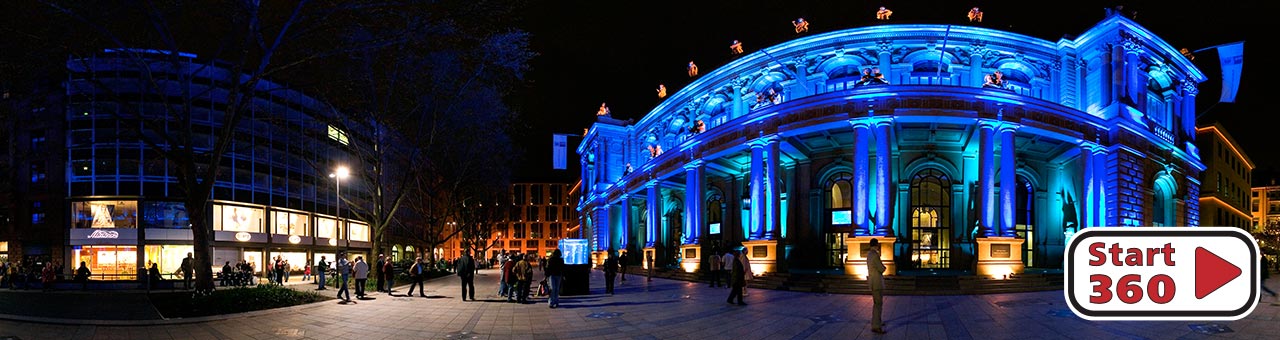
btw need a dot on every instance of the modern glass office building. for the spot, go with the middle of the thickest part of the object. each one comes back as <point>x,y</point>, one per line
<point>122,207</point>
<point>959,148</point>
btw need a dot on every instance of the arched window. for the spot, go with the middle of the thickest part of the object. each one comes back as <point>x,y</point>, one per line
<point>409,253</point>
<point>715,213</point>
<point>931,219</point>
<point>840,202</point>
<point>1025,218</point>
<point>395,253</point>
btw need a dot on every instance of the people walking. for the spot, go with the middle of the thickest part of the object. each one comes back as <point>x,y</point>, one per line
<point>416,273</point>
<point>555,274</point>
<point>187,269</point>
<point>466,268</point>
<point>610,272</point>
<point>524,274</point>
<point>83,273</point>
<point>361,270</point>
<point>714,268</point>
<point>747,274</point>
<point>321,268</point>
<point>875,278</point>
<point>622,264</point>
<point>737,280</point>
<point>507,290</point>
<point>726,265</point>
<point>344,274</point>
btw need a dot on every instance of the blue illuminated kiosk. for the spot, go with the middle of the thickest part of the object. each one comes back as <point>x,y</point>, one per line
<point>577,269</point>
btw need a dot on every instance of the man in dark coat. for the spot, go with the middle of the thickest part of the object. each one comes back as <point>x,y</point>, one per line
<point>610,272</point>
<point>380,278</point>
<point>737,280</point>
<point>467,272</point>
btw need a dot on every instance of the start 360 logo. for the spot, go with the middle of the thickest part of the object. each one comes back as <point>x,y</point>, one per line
<point>1162,273</point>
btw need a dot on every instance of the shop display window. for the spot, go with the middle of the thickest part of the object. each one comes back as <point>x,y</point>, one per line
<point>233,218</point>
<point>287,223</point>
<point>165,215</point>
<point>359,232</point>
<point>168,258</point>
<point>108,262</point>
<point>104,214</point>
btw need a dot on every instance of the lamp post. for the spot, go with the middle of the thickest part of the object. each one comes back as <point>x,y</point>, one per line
<point>338,174</point>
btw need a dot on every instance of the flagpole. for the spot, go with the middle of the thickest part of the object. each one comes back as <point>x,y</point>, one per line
<point>942,54</point>
<point>1216,46</point>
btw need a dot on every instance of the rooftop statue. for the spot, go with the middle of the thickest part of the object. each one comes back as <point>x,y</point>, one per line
<point>692,68</point>
<point>995,79</point>
<point>604,110</point>
<point>883,13</point>
<point>975,15</point>
<point>801,25</point>
<point>735,48</point>
<point>662,91</point>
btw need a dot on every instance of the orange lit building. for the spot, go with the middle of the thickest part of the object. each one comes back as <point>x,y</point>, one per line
<point>1224,189</point>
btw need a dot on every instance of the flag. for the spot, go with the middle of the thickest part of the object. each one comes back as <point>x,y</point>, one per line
<point>1232,58</point>
<point>560,148</point>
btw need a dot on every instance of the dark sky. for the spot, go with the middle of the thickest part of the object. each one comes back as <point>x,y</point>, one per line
<point>619,51</point>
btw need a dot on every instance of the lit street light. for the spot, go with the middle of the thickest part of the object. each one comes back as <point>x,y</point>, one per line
<point>338,175</point>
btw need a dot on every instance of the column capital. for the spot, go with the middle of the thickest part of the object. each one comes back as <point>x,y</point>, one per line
<point>653,183</point>
<point>865,123</point>
<point>1092,147</point>
<point>694,164</point>
<point>998,125</point>
<point>764,141</point>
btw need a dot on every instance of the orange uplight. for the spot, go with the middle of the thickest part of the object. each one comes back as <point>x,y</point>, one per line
<point>1233,209</point>
<point>1247,162</point>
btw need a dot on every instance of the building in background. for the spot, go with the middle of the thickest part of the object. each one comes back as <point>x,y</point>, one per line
<point>980,159</point>
<point>91,190</point>
<point>540,215</point>
<point>1224,191</point>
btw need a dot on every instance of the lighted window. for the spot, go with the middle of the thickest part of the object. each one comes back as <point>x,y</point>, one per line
<point>104,214</point>
<point>4,246</point>
<point>338,135</point>
<point>359,232</point>
<point>930,220</point>
<point>233,218</point>
<point>839,201</point>
<point>327,228</point>
<point>108,262</point>
<point>168,258</point>
<point>287,223</point>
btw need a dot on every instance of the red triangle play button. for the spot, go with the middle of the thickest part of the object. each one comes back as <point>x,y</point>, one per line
<point>1212,272</point>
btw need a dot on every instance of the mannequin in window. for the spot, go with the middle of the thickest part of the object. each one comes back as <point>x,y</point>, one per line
<point>975,15</point>
<point>735,48</point>
<point>692,69</point>
<point>603,111</point>
<point>801,25</point>
<point>883,13</point>
<point>662,91</point>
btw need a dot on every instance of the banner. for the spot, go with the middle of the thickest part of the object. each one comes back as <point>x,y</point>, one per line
<point>560,146</point>
<point>1232,58</point>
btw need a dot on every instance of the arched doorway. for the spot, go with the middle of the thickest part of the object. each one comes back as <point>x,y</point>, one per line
<point>714,210</point>
<point>930,219</point>
<point>1162,204</point>
<point>838,216</point>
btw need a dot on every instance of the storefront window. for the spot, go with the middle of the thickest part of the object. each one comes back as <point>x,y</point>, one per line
<point>165,215</point>
<point>287,223</point>
<point>296,259</point>
<point>359,232</point>
<point>328,257</point>
<point>168,258</point>
<point>109,262</point>
<point>327,228</point>
<point>233,218</point>
<point>254,258</point>
<point>104,214</point>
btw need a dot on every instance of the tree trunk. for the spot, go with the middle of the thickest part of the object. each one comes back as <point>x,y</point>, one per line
<point>202,238</point>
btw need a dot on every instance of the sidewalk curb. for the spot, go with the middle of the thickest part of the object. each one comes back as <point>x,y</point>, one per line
<point>175,321</point>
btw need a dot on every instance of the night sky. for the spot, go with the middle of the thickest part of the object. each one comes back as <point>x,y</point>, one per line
<point>619,51</point>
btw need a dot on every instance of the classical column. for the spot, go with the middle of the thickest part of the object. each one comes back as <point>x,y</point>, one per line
<point>1133,85</point>
<point>625,222</point>
<point>653,201</point>
<point>1088,206</point>
<point>602,228</point>
<point>1100,184</point>
<point>885,189</point>
<point>986,179</point>
<point>885,59</point>
<point>1188,107</point>
<point>772,193</point>
<point>693,202</point>
<point>976,76</point>
<point>1008,181</point>
<point>757,206</point>
<point>861,145</point>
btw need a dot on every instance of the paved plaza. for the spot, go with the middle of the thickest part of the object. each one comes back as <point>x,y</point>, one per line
<point>661,309</point>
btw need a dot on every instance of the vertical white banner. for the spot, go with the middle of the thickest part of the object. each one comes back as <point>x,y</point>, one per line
<point>560,145</point>
<point>1232,58</point>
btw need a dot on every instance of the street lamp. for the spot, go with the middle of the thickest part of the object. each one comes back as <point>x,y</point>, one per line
<point>338,175</point>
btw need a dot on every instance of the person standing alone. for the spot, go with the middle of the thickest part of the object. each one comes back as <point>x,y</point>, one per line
<point>467,272</point>
<point>737,280</point>
<point>524,273</point>
<point>875,278</point>
<point>714,263</point>
<point>321,268</point>
<point>187,269</point>
<point>379,278</point>
<point>610,272</point>
<point>555,274</point>
<point>344,274</point>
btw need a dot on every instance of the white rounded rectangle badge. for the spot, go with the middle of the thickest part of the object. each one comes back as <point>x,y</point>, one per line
<point>1162,273</point>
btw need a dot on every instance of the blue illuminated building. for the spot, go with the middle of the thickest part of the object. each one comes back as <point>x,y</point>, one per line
<point>792,154</point>
<point>116,201</point>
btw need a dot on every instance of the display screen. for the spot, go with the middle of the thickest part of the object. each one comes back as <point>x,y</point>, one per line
<point>841,217</point>
<point>715,228</point>
<point>574,250</point>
